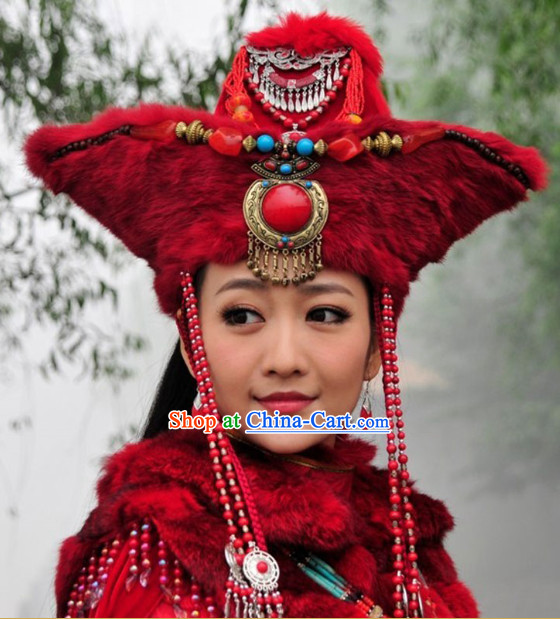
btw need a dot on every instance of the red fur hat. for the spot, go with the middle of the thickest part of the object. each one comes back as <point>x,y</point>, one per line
<point>179,205</point>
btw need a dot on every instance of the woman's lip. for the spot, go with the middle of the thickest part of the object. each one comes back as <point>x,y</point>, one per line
<point>285,406</point>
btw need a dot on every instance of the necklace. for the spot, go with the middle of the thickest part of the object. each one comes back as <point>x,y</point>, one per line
<point>303,460</point>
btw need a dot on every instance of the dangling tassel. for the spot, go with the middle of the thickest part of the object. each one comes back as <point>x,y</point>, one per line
<point>238,103</point>
<point>233,83</point>
<point>353,106</point>
<point>406,579</point>
<point>306,262</point>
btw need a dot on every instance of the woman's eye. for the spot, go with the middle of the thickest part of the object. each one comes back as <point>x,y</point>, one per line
<point>238,316</point>
<point>321,312</point>
<point>242,316</point>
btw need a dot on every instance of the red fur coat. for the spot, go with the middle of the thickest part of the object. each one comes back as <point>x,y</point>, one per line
<point>340,514</point>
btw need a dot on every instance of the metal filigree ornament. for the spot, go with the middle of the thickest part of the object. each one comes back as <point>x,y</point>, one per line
<point>239,594</point>
<point>285,215</point>
<point>255,584</point>
<point>299,94</point>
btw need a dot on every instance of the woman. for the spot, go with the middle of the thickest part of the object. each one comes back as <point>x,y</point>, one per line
<point>302,176</point>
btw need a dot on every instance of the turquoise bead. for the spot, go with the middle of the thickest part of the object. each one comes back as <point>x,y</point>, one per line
<point>285,168</point>
<point>304,147</point>
<point>265,143</point>
<point>308,184</point>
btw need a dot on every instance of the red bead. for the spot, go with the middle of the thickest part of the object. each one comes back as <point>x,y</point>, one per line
<point>267,106</point>
<point>162,131</point>
<point>276,114</point>
<point>344,71</point>
<point>262,567</point>
<point>259,96</point>
<point>286,208</point>
<point>314,115</point>
<point>302,124</point>
<point>398,613</point>
<point>345,147</point>
<point>288,122</point>
<point>226,141</point>
<point>421,137</point>
<point>270,164</point>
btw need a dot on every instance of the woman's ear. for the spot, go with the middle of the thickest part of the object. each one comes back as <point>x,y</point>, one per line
<point>374,364</point>
<point>183,351</point>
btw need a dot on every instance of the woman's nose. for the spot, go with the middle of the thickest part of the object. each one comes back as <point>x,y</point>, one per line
<point>285,349</point>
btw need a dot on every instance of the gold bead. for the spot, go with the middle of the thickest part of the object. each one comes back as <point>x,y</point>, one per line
<point>250,264</point>
<point>207,135</point>
<point>257,271</point>
<point>249,143</point>
<point>285,281</point>
<point>195,131</point>
<point>321,147</point>
<point>311,275</point>
<point>275,280</point>
<point>382,144</point>
<point>180,129</point>
<point>265,275</point>
<point>397,141</point>
<point>368,143</point>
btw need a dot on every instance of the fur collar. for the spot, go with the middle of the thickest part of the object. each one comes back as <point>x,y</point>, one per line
<point>343,516</point>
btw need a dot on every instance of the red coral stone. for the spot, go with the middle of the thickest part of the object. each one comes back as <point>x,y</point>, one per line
<point>412,142</point>
<point>227,141</point>
<point>286,208</point>
<point>162,131</point>
<point>345,147</point>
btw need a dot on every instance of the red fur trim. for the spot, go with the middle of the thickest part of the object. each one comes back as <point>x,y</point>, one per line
<point>389,217</point>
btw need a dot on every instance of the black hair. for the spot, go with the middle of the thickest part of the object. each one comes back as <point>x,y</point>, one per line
<point>177,388</point>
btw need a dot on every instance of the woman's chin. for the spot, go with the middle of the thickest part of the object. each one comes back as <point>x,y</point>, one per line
<point>288,443</point>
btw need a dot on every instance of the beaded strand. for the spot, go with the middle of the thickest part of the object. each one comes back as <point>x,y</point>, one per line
<point>234,493</point>
<point>183,590</point>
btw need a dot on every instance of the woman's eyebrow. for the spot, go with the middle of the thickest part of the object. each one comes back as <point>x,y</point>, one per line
<point>306,288</point>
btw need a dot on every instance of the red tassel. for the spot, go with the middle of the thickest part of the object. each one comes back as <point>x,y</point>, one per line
<point>354,101</point>
<point>233,84</point>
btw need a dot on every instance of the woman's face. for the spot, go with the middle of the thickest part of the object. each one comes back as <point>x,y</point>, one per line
<point>262,339</point>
